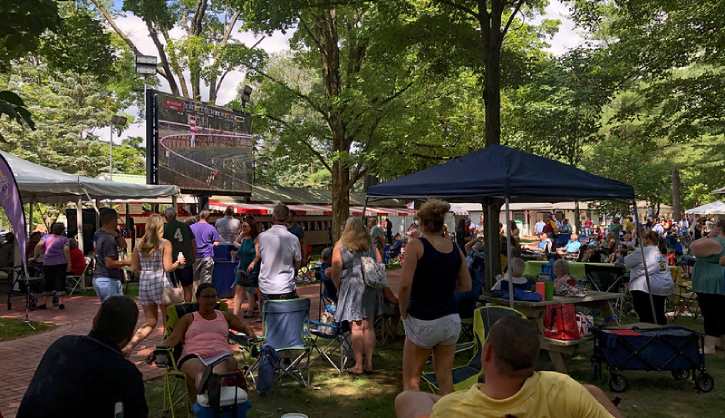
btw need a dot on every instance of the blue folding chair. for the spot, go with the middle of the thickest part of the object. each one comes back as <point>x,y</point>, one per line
<point>286,331</point>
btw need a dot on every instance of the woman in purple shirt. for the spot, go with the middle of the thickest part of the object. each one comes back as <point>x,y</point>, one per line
<point>56,263</point>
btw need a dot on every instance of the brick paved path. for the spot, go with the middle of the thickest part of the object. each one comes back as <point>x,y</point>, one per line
<point>19,358</point>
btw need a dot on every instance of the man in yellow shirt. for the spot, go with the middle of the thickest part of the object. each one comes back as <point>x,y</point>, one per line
<point>512,388</point>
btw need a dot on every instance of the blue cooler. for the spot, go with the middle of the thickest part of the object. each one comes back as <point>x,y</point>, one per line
<point>223,278</point>
<point>233,403</point>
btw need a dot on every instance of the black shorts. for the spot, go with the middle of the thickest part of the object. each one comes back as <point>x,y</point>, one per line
<point>55,278</point>
<point>185,275</point>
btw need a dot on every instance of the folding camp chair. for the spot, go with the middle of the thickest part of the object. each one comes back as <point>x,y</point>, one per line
<point>468,375</point>
<point>608,279</point>
<point>331,339</point>
<point>286,331</point>
<point>176,395</point>
<point>73,282</point>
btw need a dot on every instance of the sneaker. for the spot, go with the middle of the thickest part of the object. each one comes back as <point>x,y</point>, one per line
<point>61,306</point>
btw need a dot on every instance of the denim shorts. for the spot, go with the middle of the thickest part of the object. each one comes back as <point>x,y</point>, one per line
<point>428,334</point>
<point>106,287</point>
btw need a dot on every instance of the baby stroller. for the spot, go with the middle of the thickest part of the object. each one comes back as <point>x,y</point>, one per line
<point>667,348</point>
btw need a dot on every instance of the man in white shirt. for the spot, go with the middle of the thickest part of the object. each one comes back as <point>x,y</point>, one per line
<point>280,255</point>
<point>228,226</point>
<point>539,227</point>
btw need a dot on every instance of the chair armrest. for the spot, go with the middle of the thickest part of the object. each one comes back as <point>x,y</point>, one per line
<point>239,338</point>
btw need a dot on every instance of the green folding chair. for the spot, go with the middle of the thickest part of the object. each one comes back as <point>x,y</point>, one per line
<point>469,374</point>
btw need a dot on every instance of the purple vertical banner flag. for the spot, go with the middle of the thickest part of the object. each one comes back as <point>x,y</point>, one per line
<point>10,201</point>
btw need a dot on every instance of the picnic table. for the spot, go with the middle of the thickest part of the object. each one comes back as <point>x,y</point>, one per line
<point>558,350</point>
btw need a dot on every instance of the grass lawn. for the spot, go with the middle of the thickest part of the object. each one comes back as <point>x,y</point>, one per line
<point>650,395</point>
<point>11,328</point>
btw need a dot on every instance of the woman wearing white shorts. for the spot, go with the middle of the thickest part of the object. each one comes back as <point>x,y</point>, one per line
<point>433,270</point>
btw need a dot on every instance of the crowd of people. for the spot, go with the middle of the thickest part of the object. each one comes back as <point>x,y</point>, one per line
<point>439,270</point>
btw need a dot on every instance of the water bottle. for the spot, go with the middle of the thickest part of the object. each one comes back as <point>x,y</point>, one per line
<point>118,410</point>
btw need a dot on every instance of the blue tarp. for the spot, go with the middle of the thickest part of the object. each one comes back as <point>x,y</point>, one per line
<point>497,171</point>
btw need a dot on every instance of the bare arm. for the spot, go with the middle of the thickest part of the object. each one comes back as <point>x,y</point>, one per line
<point>254,262</point>
<point>135,261</point>
<point>177,336</point>
<point>463,284</point>
<point>413,254</point>
<point>238,325</point>
<point>112,263</point>
<point>167,250</point>
<point>471,243</point>
<point>704,247</point>
<point>298,255</point>
<point>38,250</point>
<point>336,267</point>
<point>66,253</point>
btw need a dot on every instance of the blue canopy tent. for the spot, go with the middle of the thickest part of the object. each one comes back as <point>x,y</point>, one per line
<point>505,174</point>
<point>501,172</point>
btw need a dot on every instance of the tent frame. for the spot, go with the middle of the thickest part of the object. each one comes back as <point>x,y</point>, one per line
<point>508,162</point>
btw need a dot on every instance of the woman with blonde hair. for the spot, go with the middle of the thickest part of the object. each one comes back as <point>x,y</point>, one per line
<point>152,257</point>
<point>434,269</point>
<point>356,303</point>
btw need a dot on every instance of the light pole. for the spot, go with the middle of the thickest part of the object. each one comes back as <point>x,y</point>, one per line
<point>116,122</point>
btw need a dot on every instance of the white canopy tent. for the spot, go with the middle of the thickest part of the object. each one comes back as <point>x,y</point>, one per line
<point>42,184</point>
<point>714,208</point>
<point>39,184</point>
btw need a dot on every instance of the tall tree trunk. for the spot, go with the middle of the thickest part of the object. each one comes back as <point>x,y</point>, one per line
<point>326,26</point>
<point>340,197</point>
<point>676,194</point>
<point>492,89</point>
<point>491,38</point>
<point>195,85</point>
<point>212,90</point>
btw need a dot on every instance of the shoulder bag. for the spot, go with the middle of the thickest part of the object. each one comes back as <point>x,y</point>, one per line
<point>373,273</point>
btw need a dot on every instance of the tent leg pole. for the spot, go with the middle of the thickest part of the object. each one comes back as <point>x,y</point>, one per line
<point>79,234</point>
<point>365,208</point>
<point>30,218</point>
<point>491,235</point>
<point>508,254</point>
<point>640,240</point>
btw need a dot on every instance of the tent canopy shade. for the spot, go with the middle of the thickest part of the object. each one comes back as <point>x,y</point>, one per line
<point>498,171</point>
<point>42,184</point>
<point>720,191</point>
<point>714,208</point>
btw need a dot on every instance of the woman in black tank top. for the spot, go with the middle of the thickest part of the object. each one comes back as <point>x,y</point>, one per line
<point>433,270</point>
